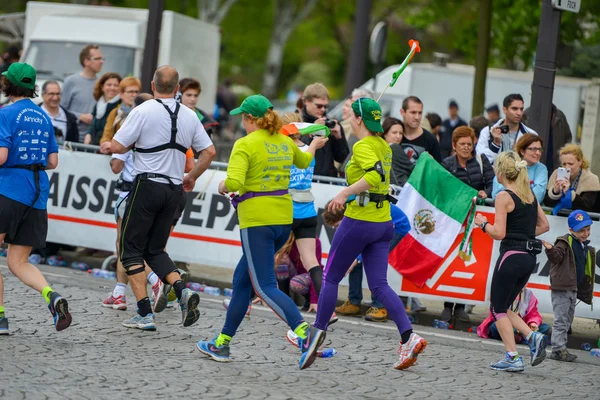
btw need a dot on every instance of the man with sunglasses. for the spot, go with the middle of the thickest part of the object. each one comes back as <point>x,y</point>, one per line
<point>316,100</point>
<point>78,89</point>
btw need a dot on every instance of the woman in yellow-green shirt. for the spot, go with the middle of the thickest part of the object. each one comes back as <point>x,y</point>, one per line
<point>366,229</point>
<point>259,170</point>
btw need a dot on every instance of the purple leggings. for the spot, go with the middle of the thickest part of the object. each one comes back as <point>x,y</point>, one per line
<point>372,240</point>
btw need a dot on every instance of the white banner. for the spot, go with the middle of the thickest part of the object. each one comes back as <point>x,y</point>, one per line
<point>81,213</point>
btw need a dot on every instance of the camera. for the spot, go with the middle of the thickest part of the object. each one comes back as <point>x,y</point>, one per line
<point>330,123</point>
<point>504,128</point>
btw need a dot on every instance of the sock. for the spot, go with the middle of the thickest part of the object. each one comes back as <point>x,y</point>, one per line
<point>1,311</point>
<point>119,289</point>
<point>512,354</point>
<point>530,335</point>
<point>144,307</point>
<point>222,340</point>
<point>405,336</point>
<point>152,278</point>
<point>46,293</point>
<point>301,330</point>
<point>178,286</point>
<point>316,276</point>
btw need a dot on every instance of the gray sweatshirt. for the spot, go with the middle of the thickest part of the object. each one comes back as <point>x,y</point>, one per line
<point>77,97</point>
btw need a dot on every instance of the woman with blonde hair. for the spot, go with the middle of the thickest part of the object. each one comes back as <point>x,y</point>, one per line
<point>575,188</point>
<point>259,169</point>
<point>519,218</point>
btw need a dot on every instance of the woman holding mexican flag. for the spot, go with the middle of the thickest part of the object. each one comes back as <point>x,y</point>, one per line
<point>366,229</point>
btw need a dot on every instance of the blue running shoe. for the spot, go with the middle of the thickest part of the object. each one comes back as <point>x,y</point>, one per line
<point>138,322</point>
<point>3,326</point>
<point>59,308</point>
<point>309,346</point>
<point>189,307</point>
<point>537,347</point>
<point>217,353</point>
<point>509,364</point>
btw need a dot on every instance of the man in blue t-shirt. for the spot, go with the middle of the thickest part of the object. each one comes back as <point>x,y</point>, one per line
<point>27,148</point>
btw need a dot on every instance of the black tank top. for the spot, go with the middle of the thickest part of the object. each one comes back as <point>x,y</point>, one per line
<point>521,222</point>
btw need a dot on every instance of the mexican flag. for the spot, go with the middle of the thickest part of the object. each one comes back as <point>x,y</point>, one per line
<point>437,205</point>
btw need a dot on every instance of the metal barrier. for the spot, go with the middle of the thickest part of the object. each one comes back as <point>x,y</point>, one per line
<point>222,166</point>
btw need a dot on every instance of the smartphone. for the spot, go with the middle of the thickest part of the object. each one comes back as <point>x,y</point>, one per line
<point>563,174</point>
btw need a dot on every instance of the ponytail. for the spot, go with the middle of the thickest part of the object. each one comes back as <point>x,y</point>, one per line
<point>270,122</point>
<point>513,169</point>
<point>285,249</point>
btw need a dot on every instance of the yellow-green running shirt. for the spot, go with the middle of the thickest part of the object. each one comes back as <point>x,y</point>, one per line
<point>261,162</point>
<point>365,154</point>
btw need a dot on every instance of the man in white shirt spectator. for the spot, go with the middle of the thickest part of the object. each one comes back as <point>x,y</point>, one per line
<point>503,135</point>
<point>78,89</point>
<point>65,123</point>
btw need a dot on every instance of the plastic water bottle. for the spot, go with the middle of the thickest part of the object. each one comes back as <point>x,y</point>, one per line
<point>56,261</point>
<point>228,292</point>
<point>213,291</point>
<point>441,324</point>
<point>195,286</point>
<point>102,273</point>
<point>81,266</point>
<point>328,353</point>
<point>586,347</point>
<point>34,259</point>
<point>595,352</point>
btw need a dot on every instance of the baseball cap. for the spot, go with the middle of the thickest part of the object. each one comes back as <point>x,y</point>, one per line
<point>453,103</point>
<point>21,74</point>
<point>493,107</point>
<point>370,112</point>
<point>256,105</point>
<point>579,219</point>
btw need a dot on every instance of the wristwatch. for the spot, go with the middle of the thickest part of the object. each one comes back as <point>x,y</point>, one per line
<point>483,225</point>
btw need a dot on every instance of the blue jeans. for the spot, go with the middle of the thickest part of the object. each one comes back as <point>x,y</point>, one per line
<point>256,269</point>
<point>355,277</point>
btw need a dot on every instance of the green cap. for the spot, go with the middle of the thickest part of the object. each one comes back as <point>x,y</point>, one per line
<point>370,112</point>
<point>21,74</point>
<point>256,105</point>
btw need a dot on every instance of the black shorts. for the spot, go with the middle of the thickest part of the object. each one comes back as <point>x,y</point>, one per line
<point>147,225</point>
<point>511,274</point>
<point>30,231</point>
<point>305,228</point>
<point>180,208</point>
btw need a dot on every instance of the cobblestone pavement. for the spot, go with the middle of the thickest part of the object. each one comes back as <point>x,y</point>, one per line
<point>97,358</point>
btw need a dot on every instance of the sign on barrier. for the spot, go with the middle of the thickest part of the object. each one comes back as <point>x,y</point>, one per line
<point>81,213</point>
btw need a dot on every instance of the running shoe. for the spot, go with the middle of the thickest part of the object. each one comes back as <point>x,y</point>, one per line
<point>292,338</point>
<point>509,364</point>
<point>59,308</point>
<point>138,322</point>
<point>226,303</point>
<point>160,290</point>
<point>172,296</point>
<point>217,353</point>
<point>189,307</point>
<point>3,326</point>
<point>309,346</point>
<point>537,348</point>
<point>409,351</point>
<point>116,303</point>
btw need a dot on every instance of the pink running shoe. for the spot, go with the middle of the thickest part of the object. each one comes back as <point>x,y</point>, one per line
<point>116,303</point>
<point>409,351</point>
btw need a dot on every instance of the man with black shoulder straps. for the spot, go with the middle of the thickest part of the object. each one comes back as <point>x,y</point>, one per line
<point>160,131</point>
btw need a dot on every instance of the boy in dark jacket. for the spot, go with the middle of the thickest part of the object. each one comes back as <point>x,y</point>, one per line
<point>572,264</point>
